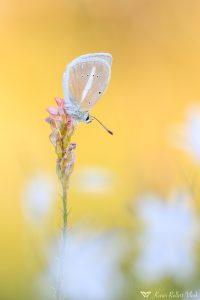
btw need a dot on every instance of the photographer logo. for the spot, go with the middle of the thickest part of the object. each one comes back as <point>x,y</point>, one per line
<point>145,294</point>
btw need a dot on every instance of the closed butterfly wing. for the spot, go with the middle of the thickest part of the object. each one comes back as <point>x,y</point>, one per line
<point>103,56</point>
<point>86,79</point>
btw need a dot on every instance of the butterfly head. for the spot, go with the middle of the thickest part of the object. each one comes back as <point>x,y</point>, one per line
<point>87,118</point>
<point>80,116</point>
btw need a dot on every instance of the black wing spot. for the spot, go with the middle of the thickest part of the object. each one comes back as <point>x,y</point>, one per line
<point>99,93</point>
<point>87,75</point>
<point>82,76</point>
<point>89,102</point>
<point>97,76</point>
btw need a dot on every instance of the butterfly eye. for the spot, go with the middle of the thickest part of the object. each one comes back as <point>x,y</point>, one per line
<point>97,76</point>
<point>89,102</point>
<point>82,76</point>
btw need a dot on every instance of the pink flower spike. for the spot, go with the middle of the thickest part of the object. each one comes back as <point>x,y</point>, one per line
<point>60,111</point>
<point>48,120</point>
<point>72,146</point>
<point>69,166</point>
<point>52,110</point>
<point>54,136</point>
<point>60,102</point>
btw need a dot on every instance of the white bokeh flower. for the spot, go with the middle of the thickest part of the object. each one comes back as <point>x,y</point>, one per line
<point>37,197</point>
<point>95,180</point>
<point>89,265</point>
<point>168,240</point>
<point>187,136</point>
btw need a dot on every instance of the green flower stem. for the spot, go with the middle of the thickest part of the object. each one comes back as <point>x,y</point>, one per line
<point>64,183</point>
<point>64,200</point>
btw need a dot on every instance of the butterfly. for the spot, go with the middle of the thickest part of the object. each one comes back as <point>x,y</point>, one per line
<point>84,82</point>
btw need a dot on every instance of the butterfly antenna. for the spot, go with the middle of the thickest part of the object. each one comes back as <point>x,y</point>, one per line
<point>109,131</point>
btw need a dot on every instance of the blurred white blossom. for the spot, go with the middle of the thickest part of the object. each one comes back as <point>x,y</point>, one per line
<point>168,239</point>
<point>37,196</point>
<point>87,267</point>
<point>187,136</point>
<point>94,180</point>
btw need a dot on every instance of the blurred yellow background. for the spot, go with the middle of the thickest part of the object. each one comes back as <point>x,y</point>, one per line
<point>155,75</point>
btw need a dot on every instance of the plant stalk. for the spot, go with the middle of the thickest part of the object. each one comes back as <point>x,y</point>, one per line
<point>64,201</point>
